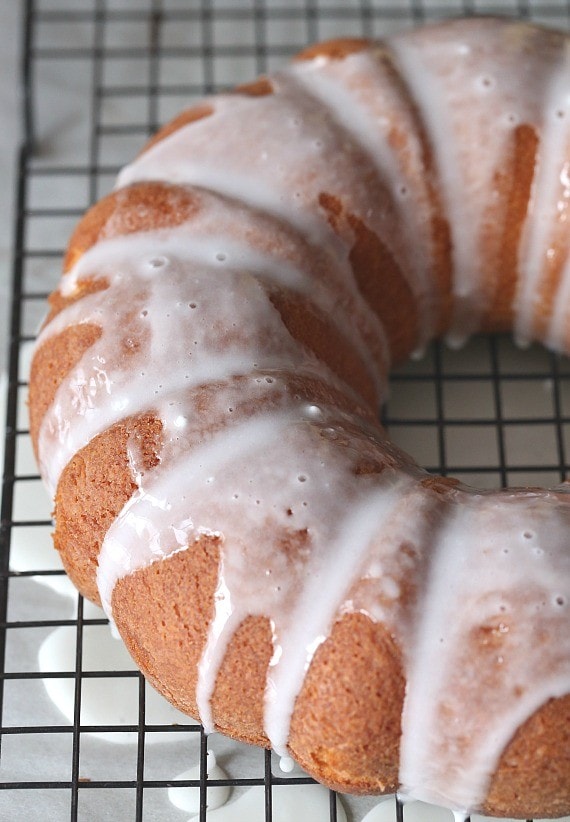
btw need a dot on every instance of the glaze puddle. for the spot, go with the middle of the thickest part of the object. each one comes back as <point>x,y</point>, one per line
<point>104,701</point>
<point>188,798</point>
<point>385,811</point>
<point>303,802</point>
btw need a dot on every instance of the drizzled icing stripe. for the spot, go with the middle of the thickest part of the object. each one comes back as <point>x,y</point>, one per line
<point>229,169</point>
<point>334,568</point>
<point>445,75</point>
<point>498,586</point>
<point>292,155</point>
<point>436,112</point>
<point>349,94</point>
<point>549,206</point>
<point>182,280</point>
<point>151,525</point>
<point>560,320</point>
<point>285,154</point>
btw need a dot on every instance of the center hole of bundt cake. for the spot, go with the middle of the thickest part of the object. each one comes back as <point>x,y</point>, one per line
<point>485,413</point>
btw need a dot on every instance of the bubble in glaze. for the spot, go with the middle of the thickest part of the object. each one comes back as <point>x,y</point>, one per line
<point>485,83</point>
<point>158,262</point>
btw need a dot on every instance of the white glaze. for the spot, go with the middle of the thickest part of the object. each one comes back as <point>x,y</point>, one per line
<point>499,581</point>
<point>31,549</point>
<point>336,564</point>
<point>288,802</point>
<point>422,812</point>
<point>559,323</point>
<point>288,472</point>
<point>111,701</point>
<point>285,153</point>
<point>363,100</point>
<point>155,522</point>
<point>473,90</point>
<point>286,764</point>
<point>149,365</point>
<point>385,811</point>
<point>549,208</point>
<point>188,798</point>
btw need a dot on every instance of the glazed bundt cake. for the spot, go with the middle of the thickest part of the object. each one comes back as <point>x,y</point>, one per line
<point>204,400</point>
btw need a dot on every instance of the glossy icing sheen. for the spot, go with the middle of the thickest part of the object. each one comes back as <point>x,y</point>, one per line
<point>189,306</point>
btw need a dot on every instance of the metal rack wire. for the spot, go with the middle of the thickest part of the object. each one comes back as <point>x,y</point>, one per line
<point>486,414</point>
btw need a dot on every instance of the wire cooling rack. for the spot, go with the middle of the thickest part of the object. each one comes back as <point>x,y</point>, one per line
<point>99,76</point>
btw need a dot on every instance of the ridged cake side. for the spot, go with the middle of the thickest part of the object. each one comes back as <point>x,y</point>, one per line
<point>203,400</point>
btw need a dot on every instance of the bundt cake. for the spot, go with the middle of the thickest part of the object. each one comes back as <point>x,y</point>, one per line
<point>204,399</point>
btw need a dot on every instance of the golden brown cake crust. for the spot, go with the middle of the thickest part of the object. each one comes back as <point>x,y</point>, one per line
<point>93,489</point>
<point>334,735</point>
<point>533,777</point>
